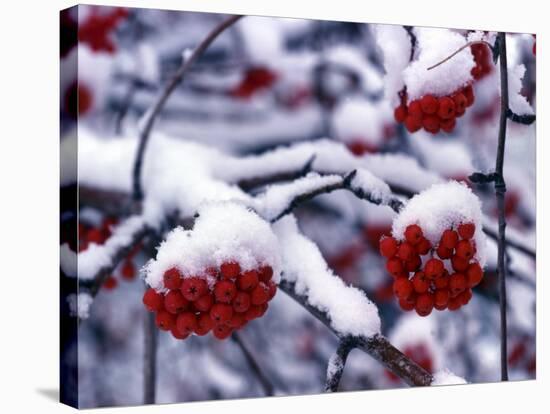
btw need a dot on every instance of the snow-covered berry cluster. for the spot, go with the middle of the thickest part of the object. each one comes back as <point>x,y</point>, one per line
<point>221,301</point>
<point>433,113</point>
<point>482,57</point>
<point>427,276</point>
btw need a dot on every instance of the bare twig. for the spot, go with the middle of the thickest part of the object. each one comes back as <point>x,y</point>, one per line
<point>337,363</point>
<point>149,358</point>
<point>413,39</point>
<point>476,42</point>
<point>137,191</point>
<point>253,363</point>
<point>525,119</point>
<point>376,346</point>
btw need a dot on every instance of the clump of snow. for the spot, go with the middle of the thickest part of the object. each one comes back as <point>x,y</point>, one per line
<point>446,377</point>
<point>440,207</point>
<point>517,102</point>
<point>67,260</point>
<point>79,305</point>
<point>368,183</point>
<point>96,256</point>
<point>335,364</point>
<point>223,231</point>
<point>434,45</point>
<point>348,309</point>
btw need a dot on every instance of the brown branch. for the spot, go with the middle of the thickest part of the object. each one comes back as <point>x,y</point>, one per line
<point>137,190</point>
<point>476,42</point>
<point>376,346</point>
<point>253,363</point>
<point>337,363</point>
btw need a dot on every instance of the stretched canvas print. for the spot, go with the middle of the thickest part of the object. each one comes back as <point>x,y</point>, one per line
<point>261,206</point>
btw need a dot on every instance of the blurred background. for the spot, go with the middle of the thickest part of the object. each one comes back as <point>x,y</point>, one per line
<point>264,83</point>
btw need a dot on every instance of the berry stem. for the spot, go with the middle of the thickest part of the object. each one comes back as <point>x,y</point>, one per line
<point>149,358</point>
<point>253,363</point>
<point>456,52</point>
<point>153,112</point>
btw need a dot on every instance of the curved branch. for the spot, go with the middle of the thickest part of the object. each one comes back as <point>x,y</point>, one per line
<point>337,363</point>
<point>137,190</point>
<point>376,346</point>
<point>525,119</point>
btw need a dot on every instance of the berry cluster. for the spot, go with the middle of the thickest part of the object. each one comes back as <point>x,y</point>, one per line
<point>482,58</point>
<point>99,235</point>
<point>443,278</point>
<point>193,306</point>
<point>96,29</point>
<point>434,113</point>
<point>254,80</point>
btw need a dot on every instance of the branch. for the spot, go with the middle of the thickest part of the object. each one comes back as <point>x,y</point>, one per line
<point>337,363</point>
<point>476,42</point>
<point>525,119</point>
<point>254,366</point>
<point>376,346</point>
<point>137,190</point>
<point>414,41</point>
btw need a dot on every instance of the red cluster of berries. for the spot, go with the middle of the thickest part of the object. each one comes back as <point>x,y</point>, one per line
<point>254,80</point>
<point>426,284</point>
<point>420,354</point>
<point>99,235</point>
<point>191,306</point>
<point>96,29</point>
<point>482,58</point>
<point>78,99</point>
<point>434,113</point>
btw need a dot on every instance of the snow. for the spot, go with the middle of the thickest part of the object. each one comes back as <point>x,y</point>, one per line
<point>517,102</point>
<point>349,310</point>
<point>440,207</point>
<point>446,377</point>
<point>67,260</point>
<point>68,159</point>
<point>96,256</point>
<point>368,183</point>
<point>434,45</point>
<point>223,231</point>
<point>335,364</point>
<point>79,305</point>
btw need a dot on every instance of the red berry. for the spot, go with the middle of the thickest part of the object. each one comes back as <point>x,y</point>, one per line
<point>204,324</point>
<point>237,321</point>
<point>225,291</point>
<point>460,103</point>
<point>388,247</point>
<point>413,234</point>
<point>415,110</point>
<point>265,273</point>
<point>95,236</point>
<point>449,239</point>
<point>424,304</point>
<point>429,104</point>
<point>423,247</point>
<point>468,92</point>
<point>172,278</point>
<point>260,294</point>
<point>414,263</point>
<point>443,252</point>
<point>395,266</point>
<point>165,320</point>
<point>406,305</point>
<point>230,270</point>
<point>222,331</point>
<point>454,304</point>
<point>204,303</point>
<point>128,270</point>
<point>241,303</point>
<point>420,282</point>
<point>446,108</point>
<point>174,302</point>
<point>457,284</point>
<point>253,312</point>
<point>177,334</point>
<point>405,251</point>
<point>402,287</point>
<point>413,124</point>
<point>153,300</point>
<point>431,123</point>
<point>400,113</point>
<point>464,249</point>
<point>248,280</point>
<point>474,274</point>
<point>193,288</point>
<point>271,289</point>
<point>465,296</point>
<point>441,297</point>
<point>186,323</point>
<point>442,281</point>
<point>221,313</point>
<point>110,283</point>
<point>434,268</point>
<point>448,125</point>
<point>466,230</point>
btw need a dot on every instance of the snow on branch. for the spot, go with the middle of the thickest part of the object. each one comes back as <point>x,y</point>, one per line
<point>337,362</point>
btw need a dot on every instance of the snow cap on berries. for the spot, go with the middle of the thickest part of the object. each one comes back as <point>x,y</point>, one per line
<point>223,232</point>
<point>440,207</point>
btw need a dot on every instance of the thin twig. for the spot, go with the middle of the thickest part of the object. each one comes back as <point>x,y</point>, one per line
<point>137,190</point>
<point>149,358</point>
<point>337,363</point>
<point>500,192</point>
<point>476,42</point>
<point>253,363</point>
<point>376,346</point>
<point>525,119</point>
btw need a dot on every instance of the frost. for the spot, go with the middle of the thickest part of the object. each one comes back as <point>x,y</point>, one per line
<point>441,207</point>
<point>348,309</point>
<point>446,377</point>
<point>435,45</point>
<point>223,231</point>
<point>79,305</point>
